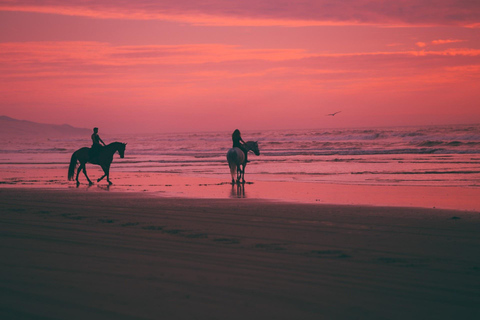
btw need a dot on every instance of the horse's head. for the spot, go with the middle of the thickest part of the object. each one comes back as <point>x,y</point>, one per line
<point>253,145</point>
<point>121,149</point>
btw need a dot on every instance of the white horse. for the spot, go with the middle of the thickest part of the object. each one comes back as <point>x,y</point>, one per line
<point>236,160</point>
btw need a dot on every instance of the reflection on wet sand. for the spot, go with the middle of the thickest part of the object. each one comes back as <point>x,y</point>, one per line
<point>238,191</point>
<point>89,186</point>
<point>172,185</point>
<point>104,187</point>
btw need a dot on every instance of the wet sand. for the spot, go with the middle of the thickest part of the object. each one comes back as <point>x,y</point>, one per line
<point>77,254</point>
<point>207,187</point>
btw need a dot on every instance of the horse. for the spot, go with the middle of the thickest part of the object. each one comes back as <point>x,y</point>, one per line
<point>236,160</point>
<point>104,159</point>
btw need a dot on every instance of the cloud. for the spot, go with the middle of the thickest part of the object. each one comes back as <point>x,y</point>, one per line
<point>446,41</point>
<point>97,53</point>
<point>267,12</point>
<point>196,80</point>
<point>438,42</point>
<point>83,53</point>
<point>95,65</point>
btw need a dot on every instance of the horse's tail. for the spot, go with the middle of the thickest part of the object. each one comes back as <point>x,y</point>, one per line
<point>73,165</point>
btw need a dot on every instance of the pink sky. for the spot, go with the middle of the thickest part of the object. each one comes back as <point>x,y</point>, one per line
<point>146,66</point>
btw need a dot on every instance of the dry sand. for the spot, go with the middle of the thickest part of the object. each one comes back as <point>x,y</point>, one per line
<point>75,254</point>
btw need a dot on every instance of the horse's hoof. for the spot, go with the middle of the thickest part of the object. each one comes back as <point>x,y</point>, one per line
<point>110,183</point>
<point>98,180</point>
<point>90,183</point>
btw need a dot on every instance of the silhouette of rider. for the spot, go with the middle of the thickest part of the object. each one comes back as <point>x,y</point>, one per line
<point>239,143</point>
<point>96,146</point>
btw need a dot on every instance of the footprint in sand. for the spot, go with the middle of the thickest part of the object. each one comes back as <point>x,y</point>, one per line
<point>172,231</point>
<point>69,216</point>
<point>403,262</point>
<point>130,224</point>
<point>178,232</point>
<point>269,246</point>
<point>153,228</point>
<point>226,240</point>
<point>197,236</point>
<point>106,220</point>
<point>391,260</point>
<point>328,254</point>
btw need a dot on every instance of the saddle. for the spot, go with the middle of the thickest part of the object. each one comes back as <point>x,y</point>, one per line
<point>94,153</point>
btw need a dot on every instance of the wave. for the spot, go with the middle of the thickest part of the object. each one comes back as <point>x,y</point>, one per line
<point>38,150</point>
<point>374,141</point>
<point>429,143</point>
<point>455,143</point>
<point>419,172</point>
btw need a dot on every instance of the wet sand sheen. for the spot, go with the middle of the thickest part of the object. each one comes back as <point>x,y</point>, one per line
<point>77,254</point>
<point>175,185</point>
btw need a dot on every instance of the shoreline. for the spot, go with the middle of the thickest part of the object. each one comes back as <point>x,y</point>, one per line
<point>97,192</point>
<point>123,255</point>
<point>175,185</point>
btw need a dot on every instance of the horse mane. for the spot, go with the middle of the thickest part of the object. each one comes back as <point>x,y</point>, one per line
<point>115,144</point>
<point>251,143</point>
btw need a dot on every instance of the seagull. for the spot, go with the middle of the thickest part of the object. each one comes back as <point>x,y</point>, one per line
<point>332,114</point>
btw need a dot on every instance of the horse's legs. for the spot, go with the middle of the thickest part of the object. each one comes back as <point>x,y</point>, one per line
<point>85,173</point>
<point>108,175</point>
<point>239,173</point>
<point>100,179</point>
<point>78,172</point>
<point>233,171</point>
<point>105,174</point>
<point>106,171</point>
<point>243,174</point>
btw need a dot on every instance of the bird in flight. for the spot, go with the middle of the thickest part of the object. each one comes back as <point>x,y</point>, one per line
<point>332,114</point>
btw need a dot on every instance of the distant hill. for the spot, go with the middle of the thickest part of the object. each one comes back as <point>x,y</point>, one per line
<point>14,127</point>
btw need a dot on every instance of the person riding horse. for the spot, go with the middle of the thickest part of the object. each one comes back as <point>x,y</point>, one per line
<point>239,143</point>
<point>96,146</point>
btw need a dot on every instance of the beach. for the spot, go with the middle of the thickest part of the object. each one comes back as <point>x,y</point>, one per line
<point>75,254</point>
<point>331,224</point>
<point>279,160</point>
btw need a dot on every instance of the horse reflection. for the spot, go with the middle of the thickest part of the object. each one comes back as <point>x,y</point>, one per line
<point>238,191</point>
<point>105,187</point>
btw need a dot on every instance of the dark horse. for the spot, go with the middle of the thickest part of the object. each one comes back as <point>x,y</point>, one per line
<point>236,160</point>
<point>104,159</point>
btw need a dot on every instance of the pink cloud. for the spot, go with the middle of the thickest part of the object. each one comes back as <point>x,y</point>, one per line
<point>446,41</point>
<point>80,55</point>
<point>267,12</point>
<point>109,55</point>
<point>421,44</point>
<point>157,82</point>
<point>198,69</point>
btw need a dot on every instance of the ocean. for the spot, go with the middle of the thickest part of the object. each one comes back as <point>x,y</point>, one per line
<point>446,155</point>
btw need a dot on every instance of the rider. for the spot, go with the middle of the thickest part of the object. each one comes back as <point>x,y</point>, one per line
<point>96,146</point>
<point>239,143</point>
